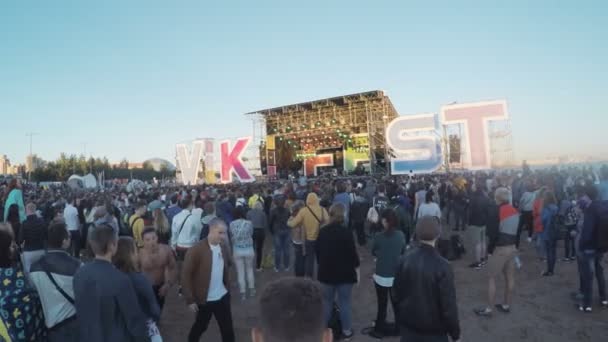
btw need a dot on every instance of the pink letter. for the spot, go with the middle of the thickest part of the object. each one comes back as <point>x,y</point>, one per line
<point>475,118</point>
<point>231,160</point>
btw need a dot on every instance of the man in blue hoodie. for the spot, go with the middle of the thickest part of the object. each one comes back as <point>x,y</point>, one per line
<point>591,252</point>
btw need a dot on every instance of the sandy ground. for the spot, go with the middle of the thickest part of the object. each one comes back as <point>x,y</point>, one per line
<point>542,309</point>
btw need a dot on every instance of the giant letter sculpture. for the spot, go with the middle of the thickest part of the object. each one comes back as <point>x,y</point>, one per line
<point>415,144</point>
<point>475,118</point>
<point>231,161</point>
<point>189,164</point>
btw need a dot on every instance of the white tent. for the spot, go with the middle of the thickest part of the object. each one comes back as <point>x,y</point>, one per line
<point>89,181</point>
<point>86,182</point>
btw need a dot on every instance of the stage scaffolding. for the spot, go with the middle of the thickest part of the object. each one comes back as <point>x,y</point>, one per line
<point>332,123</point>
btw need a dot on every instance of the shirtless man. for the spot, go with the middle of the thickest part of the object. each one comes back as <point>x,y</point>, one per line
<point>158,264</point>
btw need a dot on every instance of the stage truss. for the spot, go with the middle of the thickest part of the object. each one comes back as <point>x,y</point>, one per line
<point>341,122</point>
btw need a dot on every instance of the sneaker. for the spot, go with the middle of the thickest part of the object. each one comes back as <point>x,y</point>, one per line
<point>503,308</point>
<point>529,240</point>
<point>347,336</point>
<point>259,269</point>
<point>475,265</point>
<point>288,269</point>
<point>276,270</point>
<point>604,304</point>
<point>547,274</point>
<point>566,259</point>
<point>483,312</point>
<point>243,297</point>
<point>252,293</point>
<point>586,309</point>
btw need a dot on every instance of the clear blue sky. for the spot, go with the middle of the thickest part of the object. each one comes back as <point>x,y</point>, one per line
<point>132,78</point>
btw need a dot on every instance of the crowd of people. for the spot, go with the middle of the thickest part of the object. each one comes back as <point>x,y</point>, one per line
<point>97,265</point>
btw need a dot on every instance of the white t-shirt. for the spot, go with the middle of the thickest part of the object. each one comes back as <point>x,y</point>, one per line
<point>217,290</point>
<point>70,215</point>
<point>429,209</point>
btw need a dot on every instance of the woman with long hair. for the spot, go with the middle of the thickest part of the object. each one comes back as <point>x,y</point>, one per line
<point>126,261</point>
<point>429,208</point>
<point>388,246</point>
<point>14,195</point>
<point>338,266</point>
<point>161,225</point>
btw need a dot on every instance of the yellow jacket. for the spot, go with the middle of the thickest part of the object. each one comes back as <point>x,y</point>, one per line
<point>138,228</point>
<point>306,217</point>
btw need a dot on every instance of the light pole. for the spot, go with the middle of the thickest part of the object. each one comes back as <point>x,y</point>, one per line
<point>29,172</point>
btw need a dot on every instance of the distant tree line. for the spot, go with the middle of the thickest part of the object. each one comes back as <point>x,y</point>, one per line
<point>65,166</point>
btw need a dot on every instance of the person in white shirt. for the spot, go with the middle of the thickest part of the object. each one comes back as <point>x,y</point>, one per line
<point>70,215</point>
<point>429,208</point>
<point>206,284</point>
<point>185,229</point>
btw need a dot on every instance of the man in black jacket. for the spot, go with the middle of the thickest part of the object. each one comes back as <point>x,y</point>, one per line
<point>476,229</point>
<point>424,291</point>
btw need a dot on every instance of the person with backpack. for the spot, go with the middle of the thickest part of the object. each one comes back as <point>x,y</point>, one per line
<point>379,203</point>
<point>593,244</point>
<point>173,208</point>
<point>526,206</point>
<point>136,223</point>
<point>312,217</point>
<point>550,232</point>
<point>52,276</point>
<point>281,234</point>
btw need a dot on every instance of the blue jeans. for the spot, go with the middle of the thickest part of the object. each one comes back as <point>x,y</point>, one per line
<point>590,262</point>
<point>551,250</point>
<point>344,303</point>
<point>282,241</point>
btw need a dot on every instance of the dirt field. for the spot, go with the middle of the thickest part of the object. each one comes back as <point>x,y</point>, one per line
<point>542,309</point>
